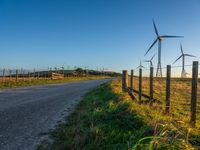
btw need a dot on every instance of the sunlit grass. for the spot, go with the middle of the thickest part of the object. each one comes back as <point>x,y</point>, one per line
<point>180,98</point>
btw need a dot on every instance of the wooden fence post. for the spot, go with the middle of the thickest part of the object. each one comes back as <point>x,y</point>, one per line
<point>131,81</point>
<point>140,84</point>
<point>124,80</point>
<point>194,92</point>
<point>151,85</point>
<point>168,78</point>
<point>16,76</point>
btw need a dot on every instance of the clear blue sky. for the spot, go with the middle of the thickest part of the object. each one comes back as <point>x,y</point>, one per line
<point>106,33</point>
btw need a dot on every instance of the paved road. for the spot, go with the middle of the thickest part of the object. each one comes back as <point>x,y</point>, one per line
<point>27,112</point>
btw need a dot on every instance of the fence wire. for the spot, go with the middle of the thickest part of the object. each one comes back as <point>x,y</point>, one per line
<point>181,93</point>
<point>160,87</point>
<point>180,90</point>
<point>145,81</point>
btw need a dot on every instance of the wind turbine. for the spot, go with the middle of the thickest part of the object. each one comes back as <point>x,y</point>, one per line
<point>150,61</point>
<point>183,73</point>
<point>159,40</point>
<point>140,66</point>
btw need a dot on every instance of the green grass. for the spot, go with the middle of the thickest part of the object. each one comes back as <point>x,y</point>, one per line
<point>27,82</point>
<point>101,121</point>
<point>106,118</point>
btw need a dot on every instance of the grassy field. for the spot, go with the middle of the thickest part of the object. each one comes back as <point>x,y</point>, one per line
<point>106,118</point>
<point>26,82</point>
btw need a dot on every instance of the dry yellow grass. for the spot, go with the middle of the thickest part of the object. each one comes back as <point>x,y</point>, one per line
<point>180,96</point>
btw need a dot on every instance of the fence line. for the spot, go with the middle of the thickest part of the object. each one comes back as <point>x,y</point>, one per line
<point>17,75</point>
<point>175,98</point>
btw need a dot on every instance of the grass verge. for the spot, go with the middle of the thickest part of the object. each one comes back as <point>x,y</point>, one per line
<point>106,118</point>
<point>47,81</point>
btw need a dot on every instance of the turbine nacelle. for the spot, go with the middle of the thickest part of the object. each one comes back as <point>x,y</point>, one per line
<point>160,38</point>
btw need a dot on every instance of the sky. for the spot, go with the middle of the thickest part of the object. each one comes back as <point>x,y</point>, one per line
<point>114,34</point>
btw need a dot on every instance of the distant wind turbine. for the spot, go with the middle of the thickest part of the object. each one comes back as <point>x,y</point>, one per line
<point>183,73</point>
<point>140,66</point>
<point>159,40</point>
<point>150,61</point>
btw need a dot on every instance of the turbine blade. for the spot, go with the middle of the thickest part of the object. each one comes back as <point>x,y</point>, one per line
<point>137,67</point>
<point>147,61</point>
<point>151,46</point>
<point>177,59</point>
<point>189,55</point>
<point>170,36</point>
<point>181,49</point>
<point>155,28</point>
<point>153,57</point>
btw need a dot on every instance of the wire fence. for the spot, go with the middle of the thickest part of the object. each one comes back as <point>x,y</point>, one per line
<point>181,105</point>
<point>8,75</point>
<point>17,75</point>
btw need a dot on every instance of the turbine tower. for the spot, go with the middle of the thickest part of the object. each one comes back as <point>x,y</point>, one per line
<point>150,61</point>
<point>159,40</point>
<point>183,73</point>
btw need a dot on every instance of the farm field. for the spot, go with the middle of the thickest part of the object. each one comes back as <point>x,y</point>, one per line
<point>107,118</point>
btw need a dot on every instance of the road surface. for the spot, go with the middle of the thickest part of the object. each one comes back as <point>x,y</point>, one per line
<point>26,113</point>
